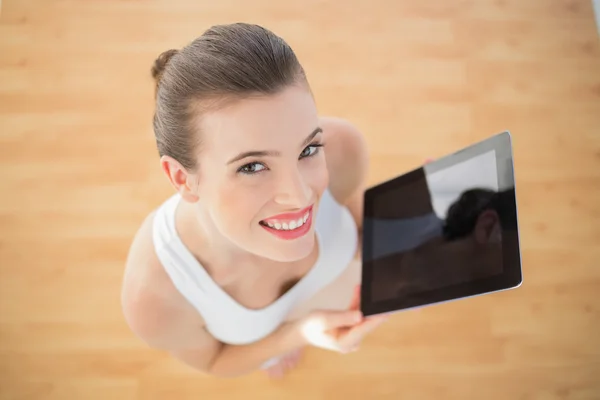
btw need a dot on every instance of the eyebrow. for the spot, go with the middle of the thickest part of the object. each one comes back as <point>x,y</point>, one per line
<point>272,153</point>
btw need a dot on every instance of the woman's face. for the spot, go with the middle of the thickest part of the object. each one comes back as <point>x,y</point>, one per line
<point>261,173</point>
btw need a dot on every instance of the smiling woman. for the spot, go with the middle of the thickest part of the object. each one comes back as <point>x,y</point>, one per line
<point>261,238</point>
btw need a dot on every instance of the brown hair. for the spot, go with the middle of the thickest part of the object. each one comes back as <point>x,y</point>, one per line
<point>227,62</point>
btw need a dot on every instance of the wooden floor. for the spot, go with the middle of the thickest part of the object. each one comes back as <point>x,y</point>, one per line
<point>79,171</point>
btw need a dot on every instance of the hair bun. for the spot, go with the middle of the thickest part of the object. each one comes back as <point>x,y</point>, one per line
<point>158,68</point>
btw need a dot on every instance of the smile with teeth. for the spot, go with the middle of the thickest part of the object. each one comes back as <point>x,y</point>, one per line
<point>287,225</point>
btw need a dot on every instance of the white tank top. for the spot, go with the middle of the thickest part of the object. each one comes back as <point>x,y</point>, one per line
<point>227,320</point>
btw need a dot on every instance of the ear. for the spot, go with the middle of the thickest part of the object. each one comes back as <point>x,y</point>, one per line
<point>487,227</point>
<point>183,181</point>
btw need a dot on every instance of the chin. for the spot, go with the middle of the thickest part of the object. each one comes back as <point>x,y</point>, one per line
<point>292,252</point>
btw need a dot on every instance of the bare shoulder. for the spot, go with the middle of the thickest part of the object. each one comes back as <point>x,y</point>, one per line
<point>347,157</point>
<point>153,308</point>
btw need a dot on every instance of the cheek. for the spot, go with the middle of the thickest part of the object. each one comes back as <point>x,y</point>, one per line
<point>237,206</point>
<point>317,175</point>
<point>239,202</point>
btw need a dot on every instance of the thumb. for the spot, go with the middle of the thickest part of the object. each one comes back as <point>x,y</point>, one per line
<point>335,320</point>
<point>355,335</point>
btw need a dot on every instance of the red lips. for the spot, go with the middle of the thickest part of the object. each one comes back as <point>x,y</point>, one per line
<point>290,216</point>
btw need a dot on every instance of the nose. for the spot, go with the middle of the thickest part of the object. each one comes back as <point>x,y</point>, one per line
<point>294,192</point>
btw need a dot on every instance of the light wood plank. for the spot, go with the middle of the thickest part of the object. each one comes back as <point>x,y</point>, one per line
<point>79,171</point>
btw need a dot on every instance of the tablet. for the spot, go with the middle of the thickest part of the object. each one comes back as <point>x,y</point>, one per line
<point>443,232</point>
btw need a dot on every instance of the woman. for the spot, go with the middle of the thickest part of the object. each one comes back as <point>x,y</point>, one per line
<point>257,254</point>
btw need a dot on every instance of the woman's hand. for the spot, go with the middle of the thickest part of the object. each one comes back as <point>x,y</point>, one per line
<point>340,331</point>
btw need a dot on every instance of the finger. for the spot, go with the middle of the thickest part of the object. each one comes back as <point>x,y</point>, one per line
<point>356,334</point>
<point>352,349</point>
<point>380,317</point>
<point>290,362</point>
<point>275,371</point>
<point>370,321</point>
<point>280,372</point>
<point>298,355</point>
<point>355,303</point>
<point>342,319</point>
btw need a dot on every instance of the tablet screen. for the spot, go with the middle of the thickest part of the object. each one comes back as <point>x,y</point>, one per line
<point>445,231</point>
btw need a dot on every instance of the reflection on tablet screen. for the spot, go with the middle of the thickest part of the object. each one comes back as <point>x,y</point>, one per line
<point>439,229</point>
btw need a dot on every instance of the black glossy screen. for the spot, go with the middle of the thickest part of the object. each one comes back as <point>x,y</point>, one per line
<point>444,231</point>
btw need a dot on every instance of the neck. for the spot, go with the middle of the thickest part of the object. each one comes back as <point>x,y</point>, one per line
<point>217,254</point>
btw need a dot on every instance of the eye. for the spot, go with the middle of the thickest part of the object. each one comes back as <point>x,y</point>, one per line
<point>251,168</point>
<point>311,150</point>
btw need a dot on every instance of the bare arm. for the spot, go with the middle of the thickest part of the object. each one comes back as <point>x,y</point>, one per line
<point>232,361</point>
<point>185,338</point>
<point>157,313</point>
<point>162,318</point>
<point>171,325</point>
